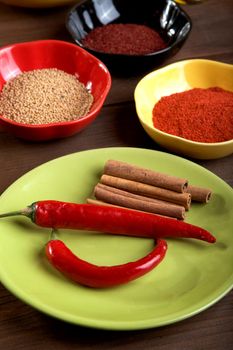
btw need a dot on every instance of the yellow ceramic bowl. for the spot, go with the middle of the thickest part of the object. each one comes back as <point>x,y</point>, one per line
<point>38,3</point>
<point>178,77</point>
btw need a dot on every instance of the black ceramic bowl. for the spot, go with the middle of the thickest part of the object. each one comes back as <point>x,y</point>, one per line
<point>165,16</point>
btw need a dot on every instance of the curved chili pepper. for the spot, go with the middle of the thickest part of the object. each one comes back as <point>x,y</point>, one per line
<point>85,273</point>
<point>114,220</point>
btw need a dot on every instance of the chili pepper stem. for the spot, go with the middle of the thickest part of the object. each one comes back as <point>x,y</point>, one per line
<point>25,212</point>
<point>53,234</point>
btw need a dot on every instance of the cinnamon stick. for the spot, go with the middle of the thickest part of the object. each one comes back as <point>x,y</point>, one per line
<point>97,202</point>
<point>183,199</point>
<point>150,177</point>
<point>129,200</point>
<point>199,194</point>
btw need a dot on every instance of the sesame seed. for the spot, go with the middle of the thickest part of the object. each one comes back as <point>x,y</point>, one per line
<point>44,96</point>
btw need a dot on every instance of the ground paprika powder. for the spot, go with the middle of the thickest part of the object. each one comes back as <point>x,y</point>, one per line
<point>202,115</point>
<point>128,39</point>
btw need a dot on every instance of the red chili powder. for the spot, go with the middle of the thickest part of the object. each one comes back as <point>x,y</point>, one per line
<point>129,39</point>
<point>202,115</point>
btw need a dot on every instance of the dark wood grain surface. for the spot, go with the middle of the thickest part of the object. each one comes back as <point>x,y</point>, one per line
<point>22,327</point>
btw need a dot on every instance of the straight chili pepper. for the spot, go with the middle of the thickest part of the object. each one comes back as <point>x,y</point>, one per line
<point>114,220</point>
<point>85,273</point>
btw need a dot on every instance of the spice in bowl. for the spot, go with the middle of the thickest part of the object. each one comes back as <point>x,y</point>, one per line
<point>126,39</point>
<point>44,96</point>
<point>201,115</point>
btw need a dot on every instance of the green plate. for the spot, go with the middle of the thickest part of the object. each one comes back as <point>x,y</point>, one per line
<point>193,276</point>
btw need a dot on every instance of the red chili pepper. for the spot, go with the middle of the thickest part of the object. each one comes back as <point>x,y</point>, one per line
<point>80,271</point>
<point>115,220</point>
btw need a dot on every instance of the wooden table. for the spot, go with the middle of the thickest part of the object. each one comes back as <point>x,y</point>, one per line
<point>22,327</point>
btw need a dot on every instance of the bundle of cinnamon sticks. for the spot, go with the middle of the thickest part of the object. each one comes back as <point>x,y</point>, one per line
<point>130,186</point>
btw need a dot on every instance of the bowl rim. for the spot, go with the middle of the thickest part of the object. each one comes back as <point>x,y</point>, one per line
<point>107,54</point>
<point>183,62</point>
<point>90,114</point>
<point>174,137</point>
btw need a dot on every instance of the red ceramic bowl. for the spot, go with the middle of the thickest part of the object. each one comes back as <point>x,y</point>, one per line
<point>22,57</point>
